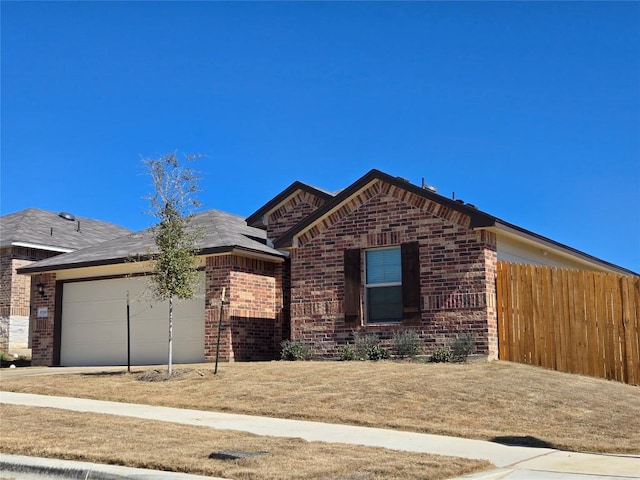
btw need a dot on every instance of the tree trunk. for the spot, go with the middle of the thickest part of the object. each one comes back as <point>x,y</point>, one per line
<point>170,362</point>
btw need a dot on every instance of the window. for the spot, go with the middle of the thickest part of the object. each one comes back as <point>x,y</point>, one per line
<point>391,285</point>
<point>383,285</point>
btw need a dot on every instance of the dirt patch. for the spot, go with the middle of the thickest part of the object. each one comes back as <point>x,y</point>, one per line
<point>159,375</point>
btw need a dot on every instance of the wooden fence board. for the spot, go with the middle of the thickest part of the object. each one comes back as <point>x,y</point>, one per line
<point>526,316</point>
<point>569,320</point>
<point>601,325</point>
<point>578,320</point>
<point>592,331</point>
<point>507,334</point>
<point>548,333</point>
<point>572,338</point>
<point>561,359</point>
<point>611,351</point>
<point>633,329</point>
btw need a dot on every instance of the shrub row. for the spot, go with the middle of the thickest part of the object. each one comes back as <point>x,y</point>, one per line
<point>405,344</point>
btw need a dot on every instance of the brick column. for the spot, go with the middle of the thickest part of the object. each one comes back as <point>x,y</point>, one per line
<point>490,272</point>
<point>43,309</point>
<point>217,276</point>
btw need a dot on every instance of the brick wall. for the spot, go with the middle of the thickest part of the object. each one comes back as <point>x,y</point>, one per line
<point>6,277</point>
<point>43,327</point>
<point>283,301</point>
<point>457,272</point>
<point>251,328</point>
<point>15,292</point>
<point>291,212</point>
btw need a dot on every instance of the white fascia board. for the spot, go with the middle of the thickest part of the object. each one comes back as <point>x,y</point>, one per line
<point>257,255</point>
<point>40,247</point>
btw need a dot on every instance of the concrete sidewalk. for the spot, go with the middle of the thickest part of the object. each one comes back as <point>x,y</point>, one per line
<point>515,463</point>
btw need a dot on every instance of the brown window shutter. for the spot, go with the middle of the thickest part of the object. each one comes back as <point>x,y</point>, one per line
<point>410,253</point>
<point>352,286</point>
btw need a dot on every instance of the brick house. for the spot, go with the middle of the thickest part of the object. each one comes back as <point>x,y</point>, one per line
<point>385,255</point>
<point>380,256</point>
<point>29,236</point>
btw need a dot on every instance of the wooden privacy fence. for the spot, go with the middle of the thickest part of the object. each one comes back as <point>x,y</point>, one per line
<point>570,320</point>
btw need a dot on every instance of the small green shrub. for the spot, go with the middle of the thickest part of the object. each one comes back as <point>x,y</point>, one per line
<point>363,343</point>
<point>441,355</point>
<point>367,347</point>
<point>377,352</point>
<point>407,343</point>
<point>293,350</point>
<point>346,353</point>
<point>462,346</point>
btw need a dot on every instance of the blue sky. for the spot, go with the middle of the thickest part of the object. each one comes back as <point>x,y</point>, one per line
<point>531,111</point>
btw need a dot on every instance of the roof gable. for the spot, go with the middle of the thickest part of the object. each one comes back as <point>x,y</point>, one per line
<point>256,219</point>
<point>356,194</point>
<point>353,196</point>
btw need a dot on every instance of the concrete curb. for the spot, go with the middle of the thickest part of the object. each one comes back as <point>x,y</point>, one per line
<point>488,475</point>
<point>22,467</point>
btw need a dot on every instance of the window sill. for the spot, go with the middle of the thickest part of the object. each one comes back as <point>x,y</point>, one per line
<point>383,324</point>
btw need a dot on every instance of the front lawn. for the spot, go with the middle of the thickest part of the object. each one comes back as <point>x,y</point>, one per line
<point>498,401</point>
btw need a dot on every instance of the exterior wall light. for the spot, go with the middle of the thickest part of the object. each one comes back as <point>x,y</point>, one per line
<point>40,288</point>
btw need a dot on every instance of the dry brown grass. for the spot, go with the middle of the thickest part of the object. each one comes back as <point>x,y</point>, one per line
<point>164,446</point>
<point>479,400</point>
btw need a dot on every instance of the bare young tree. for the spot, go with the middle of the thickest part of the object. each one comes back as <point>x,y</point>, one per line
<point>172,204</point>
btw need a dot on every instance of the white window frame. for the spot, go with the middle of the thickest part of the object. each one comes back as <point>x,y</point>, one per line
<point>368,286</point>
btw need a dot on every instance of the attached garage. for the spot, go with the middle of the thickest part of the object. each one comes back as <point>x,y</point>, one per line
<point>94,324</point>
<point>79,308</point>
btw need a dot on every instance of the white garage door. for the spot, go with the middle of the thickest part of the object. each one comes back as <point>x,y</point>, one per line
<point>94,324</point>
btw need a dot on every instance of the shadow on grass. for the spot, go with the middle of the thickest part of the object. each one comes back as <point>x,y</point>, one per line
<point>523,441</point>
<point>20,362</point>
<point>106,374</point>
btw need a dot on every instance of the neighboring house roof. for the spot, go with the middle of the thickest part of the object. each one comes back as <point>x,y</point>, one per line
<point>35,228</point>
<point>255,219</point>
<point>479,219</point>
<point>222,232</point>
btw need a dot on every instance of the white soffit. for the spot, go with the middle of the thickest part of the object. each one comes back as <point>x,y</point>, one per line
<point>508,232</point>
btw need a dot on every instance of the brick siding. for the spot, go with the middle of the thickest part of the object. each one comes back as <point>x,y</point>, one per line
<point>291,212</point>
<point>15,289</point>
<point>252,320</point>
<point>43,328</point>
<point>457,270</point>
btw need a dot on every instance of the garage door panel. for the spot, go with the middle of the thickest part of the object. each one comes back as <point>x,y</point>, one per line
<point>94,325</point>
<point>85,355</point>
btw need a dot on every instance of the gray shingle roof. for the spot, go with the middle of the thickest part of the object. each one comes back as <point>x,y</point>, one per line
<point>221,232</point>
<point>48,230</point>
